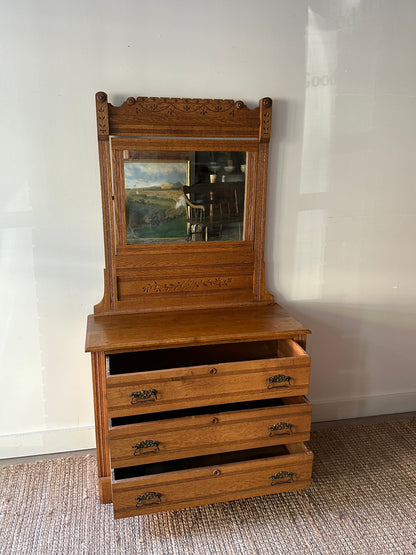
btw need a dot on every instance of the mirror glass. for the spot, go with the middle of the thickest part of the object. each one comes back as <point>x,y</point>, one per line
<point>176,197</point>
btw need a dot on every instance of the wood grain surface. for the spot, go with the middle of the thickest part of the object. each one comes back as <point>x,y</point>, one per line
<point>211,484</point>
<point>158,330</point>
<point>203,434</point>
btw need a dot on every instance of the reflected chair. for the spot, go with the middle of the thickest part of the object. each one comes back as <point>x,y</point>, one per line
<point>196,225</point>
<point>211,208</point>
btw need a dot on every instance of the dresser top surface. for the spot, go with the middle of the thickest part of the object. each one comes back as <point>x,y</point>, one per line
<point>129,332</point>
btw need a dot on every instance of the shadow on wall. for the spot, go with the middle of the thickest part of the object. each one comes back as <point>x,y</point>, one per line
<point>362,358</point>
<point>343,264</point>
<point>338,350</point>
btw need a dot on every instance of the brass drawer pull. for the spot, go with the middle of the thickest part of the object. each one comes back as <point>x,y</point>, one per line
<point>144,395</point>
<point>283,477</point>
<point>282,428</point>
<point>280,380</point>
<point>148,496</point>
<point>145,444</point>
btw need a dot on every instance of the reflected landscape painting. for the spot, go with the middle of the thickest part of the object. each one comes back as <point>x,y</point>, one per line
<point>155,205</point>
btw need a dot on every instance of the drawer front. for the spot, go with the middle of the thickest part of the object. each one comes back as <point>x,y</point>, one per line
<point>199,486</point>
<point>190,436</point>
<point>172,389</point>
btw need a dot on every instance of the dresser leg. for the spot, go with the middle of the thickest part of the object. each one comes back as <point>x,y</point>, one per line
<point>104,489</point>
<point>101,426</point>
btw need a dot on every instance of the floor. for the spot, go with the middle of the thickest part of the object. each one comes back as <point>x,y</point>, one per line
<point>33,458</point>
<point>315,426</point>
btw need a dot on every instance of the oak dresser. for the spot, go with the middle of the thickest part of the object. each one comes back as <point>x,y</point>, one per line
<point>199,376</point>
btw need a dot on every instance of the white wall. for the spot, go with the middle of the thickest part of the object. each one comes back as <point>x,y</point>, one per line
<point>341,203</point>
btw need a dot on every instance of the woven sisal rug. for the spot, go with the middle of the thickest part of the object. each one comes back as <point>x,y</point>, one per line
<point>363,500</point>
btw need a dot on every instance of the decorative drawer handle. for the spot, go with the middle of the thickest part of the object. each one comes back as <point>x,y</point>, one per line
<point>145,444</point>
<point>148,496</point>
<point>280,379</point>
<point>283,477</point>
<point>282,428</point>
<point>144,395</point>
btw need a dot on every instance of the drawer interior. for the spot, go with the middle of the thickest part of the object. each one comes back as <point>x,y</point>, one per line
<point>213,409</point>
<point>139,361</point>
<point>199,462</point>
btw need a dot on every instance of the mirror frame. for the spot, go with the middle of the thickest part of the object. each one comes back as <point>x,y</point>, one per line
<point>174,276</point>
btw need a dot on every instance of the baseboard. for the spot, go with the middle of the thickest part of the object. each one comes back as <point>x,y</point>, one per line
<point>358,407</point>
<point>47,441</point>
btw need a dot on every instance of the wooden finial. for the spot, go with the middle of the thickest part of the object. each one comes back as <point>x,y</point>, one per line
<point>101,96</point>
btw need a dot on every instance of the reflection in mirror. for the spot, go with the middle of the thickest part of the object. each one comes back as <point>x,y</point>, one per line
<point>184,196</point>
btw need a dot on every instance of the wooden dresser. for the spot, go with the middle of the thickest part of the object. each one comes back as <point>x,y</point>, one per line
<point>199,377</point>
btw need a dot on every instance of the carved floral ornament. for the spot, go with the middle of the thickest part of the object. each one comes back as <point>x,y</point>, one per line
<point>203,106</point>
<point>187,285</point>
<point>266,123</point>
<point>266,119</point>
<point>102,114</point>
<point>182,105</point>
<point>155,111</point>
<point>102,120</point>
<point>170,106</point>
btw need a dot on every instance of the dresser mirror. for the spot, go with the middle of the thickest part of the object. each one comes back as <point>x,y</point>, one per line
<point>175,196</point>
<point>184,187</point>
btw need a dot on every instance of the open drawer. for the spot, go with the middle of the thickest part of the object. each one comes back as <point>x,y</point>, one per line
<point>210,479</point>
<point>199,431</point>
<point>172,379</point>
